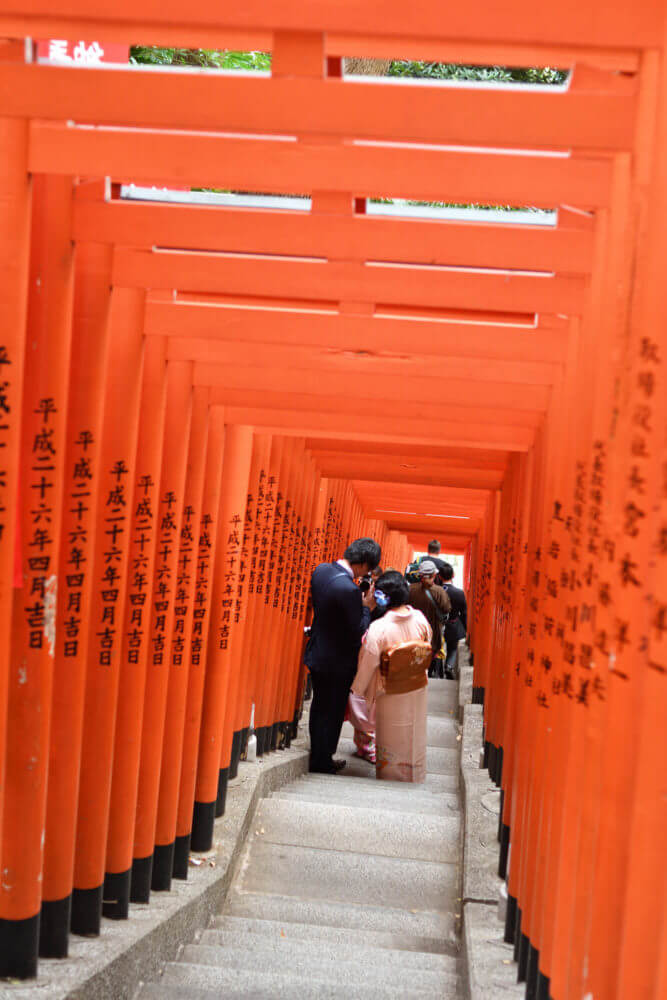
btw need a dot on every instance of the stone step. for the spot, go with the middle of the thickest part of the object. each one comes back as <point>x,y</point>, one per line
<point>342,936</point>
<point>269,949</point>
<point>316,963</point>
<point>439,760</point>
<point>201,982</point>
<point>348,877</point>
<point>441,684</point>
<point>416,922</point>
<point>439,732</point>
<point>339,827</point>
<point>402,789</point>
<point>416,807</point>
<point>441,698</point>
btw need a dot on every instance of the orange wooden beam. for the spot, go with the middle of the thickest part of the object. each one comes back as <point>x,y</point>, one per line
<point>375,170</point>
<point>353,282</point>
<point>352,332</point>
<point>615,23</point>
<point>564,248</point>
<point>426,410</point>
<point>390,429</point>
<point>394,109</point>
<point>476,478</point>
<point>444,496</point>
<point>422,456</point>
<point>358,392</point>
<point>408,363</point>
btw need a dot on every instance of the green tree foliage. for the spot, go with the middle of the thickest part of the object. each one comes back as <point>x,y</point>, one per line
<point>204,58</point>
<point>223,59</point>
<point>484,74</point>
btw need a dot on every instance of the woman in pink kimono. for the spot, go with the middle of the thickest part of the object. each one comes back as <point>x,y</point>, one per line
<point>392,674</point>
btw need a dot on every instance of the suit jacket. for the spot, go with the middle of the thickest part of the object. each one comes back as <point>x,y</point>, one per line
<point>457,627</point>
<point>339,621</point>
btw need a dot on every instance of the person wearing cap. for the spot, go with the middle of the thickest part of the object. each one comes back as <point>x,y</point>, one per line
<point>433,602</point>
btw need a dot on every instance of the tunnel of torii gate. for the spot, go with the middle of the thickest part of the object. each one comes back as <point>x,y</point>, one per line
<point>202,399</point>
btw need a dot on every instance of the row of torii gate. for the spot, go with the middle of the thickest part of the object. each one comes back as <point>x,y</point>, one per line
<point>200,401</point>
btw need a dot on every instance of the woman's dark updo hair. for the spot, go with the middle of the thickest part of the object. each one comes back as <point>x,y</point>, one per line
<point>392,583</point>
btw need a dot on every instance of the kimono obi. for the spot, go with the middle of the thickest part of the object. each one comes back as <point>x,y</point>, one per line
<point>404,667</point>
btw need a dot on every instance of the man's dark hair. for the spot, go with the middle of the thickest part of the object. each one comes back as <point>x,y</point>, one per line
<point>434,546</point>
<point>446,571</point>
<point>363,550</point>
<point>393,584</point>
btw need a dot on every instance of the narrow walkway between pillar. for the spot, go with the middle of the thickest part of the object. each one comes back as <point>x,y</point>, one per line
<point>348,887</point>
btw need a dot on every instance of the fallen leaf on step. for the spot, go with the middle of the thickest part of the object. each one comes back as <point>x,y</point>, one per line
<point>507,961</point>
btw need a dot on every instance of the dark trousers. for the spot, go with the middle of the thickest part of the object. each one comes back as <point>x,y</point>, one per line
<point>330,694</point>
<point>450,662</point>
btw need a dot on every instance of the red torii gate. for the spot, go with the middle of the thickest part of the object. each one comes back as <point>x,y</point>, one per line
<point>192,383</point>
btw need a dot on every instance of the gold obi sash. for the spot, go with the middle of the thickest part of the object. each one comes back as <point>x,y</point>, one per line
<point>404,667</point>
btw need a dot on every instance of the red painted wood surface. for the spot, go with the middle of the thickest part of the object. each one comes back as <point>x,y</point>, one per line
<point>497,385</point>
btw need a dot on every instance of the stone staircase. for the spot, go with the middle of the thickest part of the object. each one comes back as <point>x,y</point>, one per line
<point>348,887</point>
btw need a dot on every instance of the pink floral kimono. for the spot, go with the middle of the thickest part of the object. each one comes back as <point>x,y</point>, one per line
<point>400,718</point>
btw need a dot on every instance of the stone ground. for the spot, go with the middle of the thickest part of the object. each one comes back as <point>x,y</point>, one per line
<point>347,887</point>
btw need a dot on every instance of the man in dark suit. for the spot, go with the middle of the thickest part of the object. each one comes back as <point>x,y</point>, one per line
<point>456,627</point>
<point>341,616</point>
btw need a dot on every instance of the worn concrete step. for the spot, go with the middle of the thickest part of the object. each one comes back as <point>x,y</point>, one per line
<point>422,807</point>
<point>441,696</point>
<point>411,922</point>
<point>339,827</point>
<point>341,936</point>
<point>439,760</point>
<point>400,789</point>
<point>269,949</point>
<point>439,732</point>
<point>201,982</point>
<point>348,877</point>
<point>317,963</point>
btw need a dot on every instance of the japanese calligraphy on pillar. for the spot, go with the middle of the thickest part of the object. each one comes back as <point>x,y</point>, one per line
<point>163,575</point>
<point>256,536</point>
<point>245,554</point>
<point>201,589</point>
<point>261,580</point>
<point>299,567</point>
<point>636,510</point>
<point>232,561</point>
<point>143,526</point>
<point>79,498</point>
<point>41,582</point>
<point>280,590</point>
<point>114,527</point>
<point>270,587</point>
<point>186,564</point>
